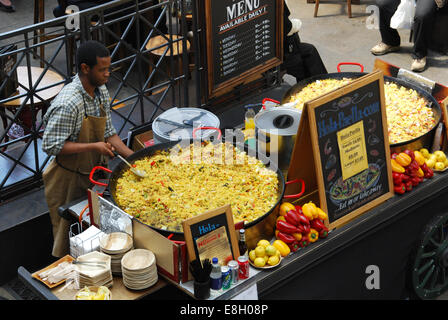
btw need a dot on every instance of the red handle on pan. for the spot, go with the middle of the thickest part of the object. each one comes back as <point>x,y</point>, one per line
<point>207,128</point>
<point>298,195</point>
<point>351,64</point>
<point>92,173</point>
<point>269,100</point>
<point>175,241</point>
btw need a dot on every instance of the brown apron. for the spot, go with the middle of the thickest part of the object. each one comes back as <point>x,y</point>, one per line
<point>67,178</point>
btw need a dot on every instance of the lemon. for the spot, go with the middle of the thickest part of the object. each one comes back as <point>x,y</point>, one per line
<point>259,262</point>
<point>98,296</point>
<point>263,243</point>
<point>446,163</point>
<point>433,156</point>
<point>266,258</point>
<point>260,251</point>
<point>430,163</point>
<point>278,253</point>
<point>424,152</point>
<point>270,250</point>
<point>440,156</point>
<point>252,255</point>
<point>439,165</point>
<point>273,260</point>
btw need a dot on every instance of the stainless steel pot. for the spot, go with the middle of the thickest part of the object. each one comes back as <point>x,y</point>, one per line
<point>276,131</point>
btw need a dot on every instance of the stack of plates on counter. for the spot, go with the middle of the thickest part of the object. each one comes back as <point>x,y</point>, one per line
<point>116,245</point>
<point>139,269</point>
<point>94,270</point>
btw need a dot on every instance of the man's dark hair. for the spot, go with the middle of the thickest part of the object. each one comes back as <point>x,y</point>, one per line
<point>88,52</point>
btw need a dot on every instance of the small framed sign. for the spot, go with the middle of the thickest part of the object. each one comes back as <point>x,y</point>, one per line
<point>212,234</point>
<point>345,133</point>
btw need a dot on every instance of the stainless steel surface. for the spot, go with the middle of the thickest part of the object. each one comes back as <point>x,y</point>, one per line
<point>276,131</point>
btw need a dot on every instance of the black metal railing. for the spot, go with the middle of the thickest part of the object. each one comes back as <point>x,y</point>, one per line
<point>145,80</point>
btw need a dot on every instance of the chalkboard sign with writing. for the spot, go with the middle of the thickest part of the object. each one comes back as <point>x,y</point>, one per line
<point>244,37</point>
<point>351,149</point>
<point>211,234</point>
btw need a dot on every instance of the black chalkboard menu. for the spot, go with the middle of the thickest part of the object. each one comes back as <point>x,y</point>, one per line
<point>243,38</point>
<point>345,131</point>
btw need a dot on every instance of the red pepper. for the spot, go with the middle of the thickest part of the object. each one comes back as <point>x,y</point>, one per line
<point>414,165</point>
<point>292,217</point>
<point>415,181</point>
<point>304,242</point>
<point>408,186</point>
<point>323,233</point>
<point>400,189</point>
<point>405,178</point>
<point>153,163</point>
<point>286,238</point>
<point>302,218</point>
<point>301,229</point>
<point>286,227</point>
<point>306,228</point>
<point>397,177</point>
<point>317,224</point>
<point>294,246</point>
<point>429,173</point>
<point>410,153</point>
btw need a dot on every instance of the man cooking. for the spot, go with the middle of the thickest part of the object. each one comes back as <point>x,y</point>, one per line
<point>79,133</point>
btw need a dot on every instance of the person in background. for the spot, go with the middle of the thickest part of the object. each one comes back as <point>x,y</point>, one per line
<point>425,12</point>
<point>301,60</point>
<point>79,133</point>
<point>6,5</point>
<point>59,11</point>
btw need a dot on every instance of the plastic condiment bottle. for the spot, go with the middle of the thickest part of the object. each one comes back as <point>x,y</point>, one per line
<point>249,119</point>
<point>215,275</point>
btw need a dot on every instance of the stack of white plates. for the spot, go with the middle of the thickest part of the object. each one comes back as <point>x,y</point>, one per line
<point>116,245</point>
<point>94,270</point>
<point>139,269</point>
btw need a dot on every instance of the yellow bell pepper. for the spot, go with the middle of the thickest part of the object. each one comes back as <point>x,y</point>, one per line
<point>420,173</point>
<point>313,235</point>
<point>285,207</point>
<point>309,210</point>
<point>396,167</point>
<point>419,158</point>
<point>321,214</point>
<point>282,247</point>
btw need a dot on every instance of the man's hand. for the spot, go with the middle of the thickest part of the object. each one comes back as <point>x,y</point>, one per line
<point>104,148</point>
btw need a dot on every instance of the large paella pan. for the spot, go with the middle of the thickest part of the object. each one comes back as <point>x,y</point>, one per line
<point>413,114</point>
<point>175,190</point>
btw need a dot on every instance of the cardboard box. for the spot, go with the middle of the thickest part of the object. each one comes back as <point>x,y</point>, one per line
<point>143,140</point>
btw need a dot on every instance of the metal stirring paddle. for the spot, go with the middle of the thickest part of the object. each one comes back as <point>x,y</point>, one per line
<point>137,172</point>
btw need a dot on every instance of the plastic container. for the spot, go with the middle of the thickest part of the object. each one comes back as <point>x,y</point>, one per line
<point>215,275</point>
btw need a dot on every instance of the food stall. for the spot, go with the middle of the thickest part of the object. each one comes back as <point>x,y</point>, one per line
<point>390,246</point>
<point>335,201</point>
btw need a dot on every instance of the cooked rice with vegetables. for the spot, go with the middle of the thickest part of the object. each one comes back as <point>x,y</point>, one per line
<point>408,113</point>
<point>179,186</point>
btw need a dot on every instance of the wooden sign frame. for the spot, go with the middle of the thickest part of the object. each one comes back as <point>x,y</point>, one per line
<point>253,73</point>
<point>306,163</point>
<point>204,218</point>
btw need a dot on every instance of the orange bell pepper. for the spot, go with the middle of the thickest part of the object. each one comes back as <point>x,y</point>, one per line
<point>403,159</point>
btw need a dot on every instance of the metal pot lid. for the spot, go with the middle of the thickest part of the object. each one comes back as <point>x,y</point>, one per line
<point>281,121</point>
<point>177,123</point>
